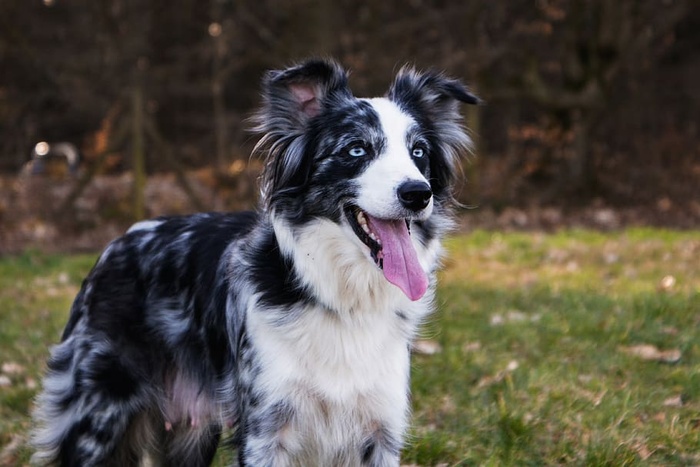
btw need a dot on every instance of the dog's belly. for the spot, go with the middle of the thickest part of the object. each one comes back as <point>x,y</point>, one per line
<point>187,405</point>
<point>342,378</point>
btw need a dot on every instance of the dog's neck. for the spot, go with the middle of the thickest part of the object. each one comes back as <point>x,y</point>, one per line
<point>339,274</point>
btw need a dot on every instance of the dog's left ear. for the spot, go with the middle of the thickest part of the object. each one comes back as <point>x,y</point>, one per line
<point>431,92</point>
<point>433,101</point>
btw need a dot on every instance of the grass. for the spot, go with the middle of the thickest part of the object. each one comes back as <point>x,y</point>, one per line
<point>538,335</point>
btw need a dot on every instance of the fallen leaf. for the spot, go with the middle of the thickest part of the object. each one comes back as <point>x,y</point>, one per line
<point>500,376</point>
<point>675,401</point>
<point>426,347</point>
<point>63,278</point>
<point>652,353</point>
<point>598,399</point>
<point>471,346</point>
<point>513,316</point>
<point>12,368</point>
<point>496,320</point>
<point>585,378</point>
<point>642,451</point>
<point>670,330</point>
<point>667,283</point>
<point>447,405</point>
<point>30,383</point>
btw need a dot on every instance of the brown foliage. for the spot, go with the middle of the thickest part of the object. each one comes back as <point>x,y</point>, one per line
<point>586,101</point>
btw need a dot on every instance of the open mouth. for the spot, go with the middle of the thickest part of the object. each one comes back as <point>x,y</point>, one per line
<point>391,248</point>
<point>360,224</point>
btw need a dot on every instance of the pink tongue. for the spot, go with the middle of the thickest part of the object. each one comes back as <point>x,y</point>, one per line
<point>401,266</point>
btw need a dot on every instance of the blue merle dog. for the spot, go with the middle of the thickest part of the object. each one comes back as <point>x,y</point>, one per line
<point>288,328</point>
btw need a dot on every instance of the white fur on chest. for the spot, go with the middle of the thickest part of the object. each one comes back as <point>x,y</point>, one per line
<point>337,358</point>
<point>343,378</point>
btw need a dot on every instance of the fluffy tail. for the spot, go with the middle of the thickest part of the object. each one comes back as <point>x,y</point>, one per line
<point>79,423</point>
<point>89,399</point>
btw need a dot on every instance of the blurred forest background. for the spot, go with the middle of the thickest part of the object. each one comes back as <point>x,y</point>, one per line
<point>591,114</point>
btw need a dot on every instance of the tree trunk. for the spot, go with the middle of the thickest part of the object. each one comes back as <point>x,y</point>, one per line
<point>138,152</point>
<point>581,176</point>
<point>469,189</point>
<point>217,85</point>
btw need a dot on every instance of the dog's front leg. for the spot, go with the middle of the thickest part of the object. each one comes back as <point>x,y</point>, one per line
<point>264,452</point>
<point>381,449</point>
<point>271,456</point>
<point>268,440</point>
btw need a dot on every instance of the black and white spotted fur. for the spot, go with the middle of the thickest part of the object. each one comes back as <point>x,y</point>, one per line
<point>289,327</point>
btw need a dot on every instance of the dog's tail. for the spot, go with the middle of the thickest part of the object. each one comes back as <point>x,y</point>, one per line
<point>84,409</point>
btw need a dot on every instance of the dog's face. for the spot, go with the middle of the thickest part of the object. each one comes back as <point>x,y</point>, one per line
<point>377,167</point>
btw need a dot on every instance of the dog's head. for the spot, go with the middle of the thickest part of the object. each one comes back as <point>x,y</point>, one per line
<point>378,167</point>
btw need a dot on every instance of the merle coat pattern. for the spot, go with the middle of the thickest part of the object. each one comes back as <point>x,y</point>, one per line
<point>289,327</point>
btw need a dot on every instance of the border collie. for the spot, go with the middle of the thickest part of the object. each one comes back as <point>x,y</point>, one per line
<point>290,327</point>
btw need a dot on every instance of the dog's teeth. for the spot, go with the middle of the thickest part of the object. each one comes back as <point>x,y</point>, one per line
<point>362,221</point>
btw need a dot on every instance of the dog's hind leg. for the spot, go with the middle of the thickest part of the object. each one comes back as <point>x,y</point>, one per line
<point>89,403</point>
<point>188,446</point>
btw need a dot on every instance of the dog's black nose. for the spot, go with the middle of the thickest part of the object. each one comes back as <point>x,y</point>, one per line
<point>414,195</point>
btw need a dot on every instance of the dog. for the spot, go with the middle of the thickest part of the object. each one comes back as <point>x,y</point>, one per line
<point>287,329</point>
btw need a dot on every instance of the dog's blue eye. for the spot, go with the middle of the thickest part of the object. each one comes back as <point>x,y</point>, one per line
<point>357,151</point>
<point>418,152</point>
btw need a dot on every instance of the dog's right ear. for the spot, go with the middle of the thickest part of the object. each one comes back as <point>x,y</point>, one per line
<point>293,96</point>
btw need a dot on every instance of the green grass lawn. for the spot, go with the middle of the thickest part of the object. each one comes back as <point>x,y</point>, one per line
<point>577,348</point>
